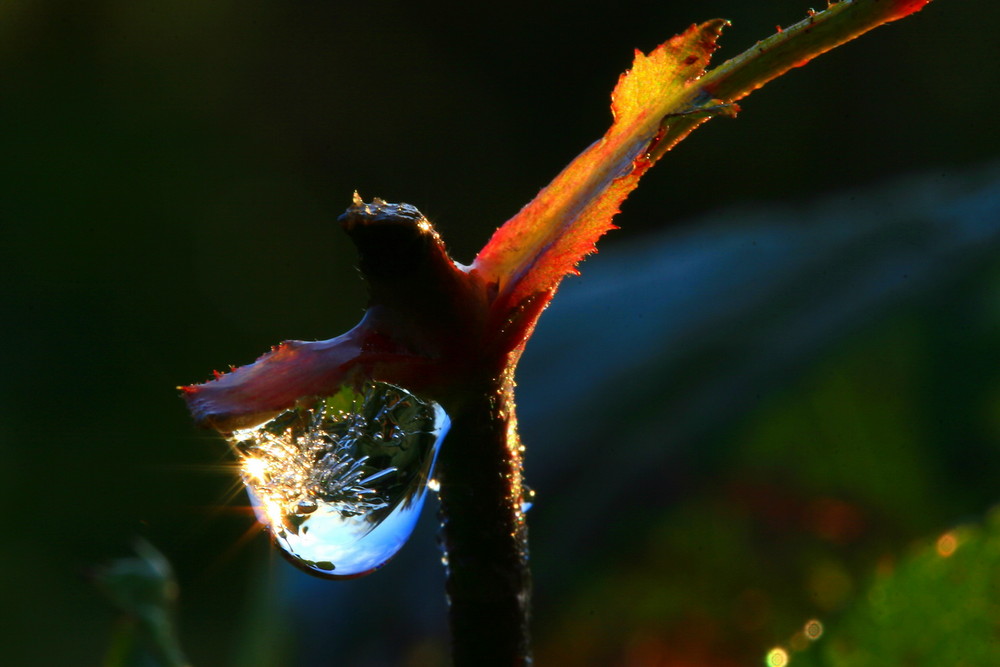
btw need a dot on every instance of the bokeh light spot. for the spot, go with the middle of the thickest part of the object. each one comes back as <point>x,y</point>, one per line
<point>777,657</point>
<point>946,545</point>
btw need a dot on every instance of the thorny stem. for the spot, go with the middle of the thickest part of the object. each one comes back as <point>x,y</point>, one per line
<point>434,308</point>
<point>483,529</point>
<point>790,47</point>
<point>483,532</point>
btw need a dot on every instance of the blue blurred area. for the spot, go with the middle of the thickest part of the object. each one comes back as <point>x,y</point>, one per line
<point>732,426</point>
<point>173,175</point>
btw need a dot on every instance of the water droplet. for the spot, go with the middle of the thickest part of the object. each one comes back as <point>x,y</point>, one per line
<point>339,481</point>
<point>527,498</point>
<point>306,506</point>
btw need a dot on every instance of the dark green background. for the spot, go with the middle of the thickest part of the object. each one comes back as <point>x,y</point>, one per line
<point>173,171</point>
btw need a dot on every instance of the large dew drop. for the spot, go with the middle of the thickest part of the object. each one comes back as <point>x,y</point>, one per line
<point>340,481</point>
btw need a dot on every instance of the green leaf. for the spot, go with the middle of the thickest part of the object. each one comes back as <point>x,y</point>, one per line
<point>939,606</point>
<point>144,591</point>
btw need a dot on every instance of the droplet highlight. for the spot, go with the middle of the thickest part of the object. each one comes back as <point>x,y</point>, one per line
<point>527,499</point>
<point>340,480</point>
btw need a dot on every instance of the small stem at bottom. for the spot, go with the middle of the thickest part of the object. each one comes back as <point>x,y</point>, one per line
<point>483,531</point>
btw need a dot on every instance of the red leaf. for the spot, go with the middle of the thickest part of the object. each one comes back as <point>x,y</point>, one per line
<point>252,394</point>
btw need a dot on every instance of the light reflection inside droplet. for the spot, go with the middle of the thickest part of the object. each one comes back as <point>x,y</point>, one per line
<point>527,498</point>
<point>254,468</point>
<point>340,481</point>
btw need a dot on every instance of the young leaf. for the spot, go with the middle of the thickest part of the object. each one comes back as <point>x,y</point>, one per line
<point>660,101</point>
<point>541,244</point>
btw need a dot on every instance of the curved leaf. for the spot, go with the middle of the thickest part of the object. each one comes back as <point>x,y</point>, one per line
<point>545,240</point>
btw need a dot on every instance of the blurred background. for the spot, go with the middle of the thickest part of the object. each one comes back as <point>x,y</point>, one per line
<point>773,398</point>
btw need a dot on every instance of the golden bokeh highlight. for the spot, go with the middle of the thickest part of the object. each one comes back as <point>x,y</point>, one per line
<point>946,545</point>
<point>777,657</point>
<point>813,629</point>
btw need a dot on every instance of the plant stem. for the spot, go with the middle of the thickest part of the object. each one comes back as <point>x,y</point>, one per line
<point>483,530</point>
<point>788,48</point>
<point>484,534</point>
<point>437,313</point>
